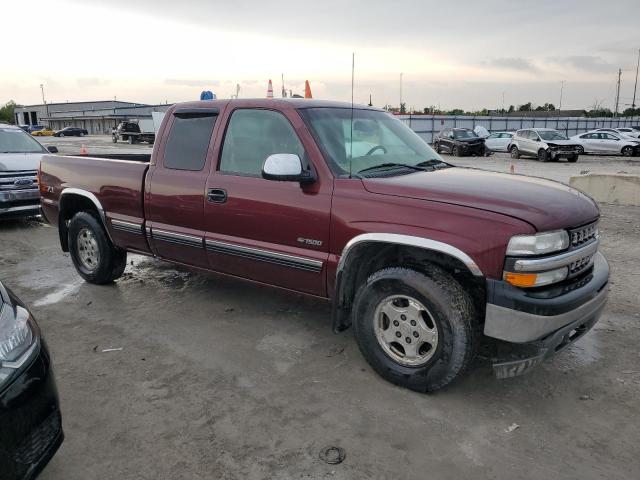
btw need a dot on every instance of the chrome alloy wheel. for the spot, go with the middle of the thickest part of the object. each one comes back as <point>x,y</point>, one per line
<point>405,330</point>
<point>88,251</point>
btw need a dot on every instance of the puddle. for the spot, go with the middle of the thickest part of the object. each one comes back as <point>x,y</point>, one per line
<point>58,295</point>
<point>584,352</point>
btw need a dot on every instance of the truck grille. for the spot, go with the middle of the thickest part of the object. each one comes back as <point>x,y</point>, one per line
<point>18,180</point>
<point>582,235</point>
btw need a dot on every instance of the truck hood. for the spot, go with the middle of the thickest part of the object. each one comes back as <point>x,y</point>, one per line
<point>20,161</point>
<point>545,204</point>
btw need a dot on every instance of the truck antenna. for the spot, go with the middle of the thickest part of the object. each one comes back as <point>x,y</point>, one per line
<point>353,65</point>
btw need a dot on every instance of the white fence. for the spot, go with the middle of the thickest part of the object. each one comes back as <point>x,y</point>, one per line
<point>428,125</point>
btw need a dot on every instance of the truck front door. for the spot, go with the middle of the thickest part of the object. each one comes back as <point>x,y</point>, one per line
<point>175,187</point>
<point>269,231</point>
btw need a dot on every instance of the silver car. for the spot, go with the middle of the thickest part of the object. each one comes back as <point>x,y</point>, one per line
<point>545,144</point>
<point>20,156</point>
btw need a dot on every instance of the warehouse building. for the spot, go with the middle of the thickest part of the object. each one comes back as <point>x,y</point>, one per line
<point>98,117</point>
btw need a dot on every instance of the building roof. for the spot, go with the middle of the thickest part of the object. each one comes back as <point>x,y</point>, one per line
<point>85,102</point>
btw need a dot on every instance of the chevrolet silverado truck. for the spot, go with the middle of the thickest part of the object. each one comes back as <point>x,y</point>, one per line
<point>421,258</point>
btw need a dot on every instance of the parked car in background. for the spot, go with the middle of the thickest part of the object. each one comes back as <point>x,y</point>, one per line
<point>545,144</point>
<point>25,127</point>
<point>607,143</point>
<point>20,155</point>
<point>459,142</point>
<point>30,422</point>
<point>499,141</point>
<point>419,256</point>
<point>71,132</point>
<point>45,132</point>
<point>625,132</point>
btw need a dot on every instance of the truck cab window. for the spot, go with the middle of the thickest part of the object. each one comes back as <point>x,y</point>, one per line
<point>253,135</point>
<point>188,142</point>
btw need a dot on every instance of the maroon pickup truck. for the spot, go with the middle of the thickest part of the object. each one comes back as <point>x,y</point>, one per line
<point>422,258</point>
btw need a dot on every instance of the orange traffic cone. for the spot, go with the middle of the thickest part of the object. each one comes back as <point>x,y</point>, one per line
<point>307,89</point>
<point>83,150</point>
<point>270,90</point>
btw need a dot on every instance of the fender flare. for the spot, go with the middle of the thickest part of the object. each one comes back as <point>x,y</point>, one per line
<point>340,313</point>
<point>92,198</point>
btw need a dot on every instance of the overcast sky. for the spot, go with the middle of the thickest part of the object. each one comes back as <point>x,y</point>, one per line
<point>453,54</point>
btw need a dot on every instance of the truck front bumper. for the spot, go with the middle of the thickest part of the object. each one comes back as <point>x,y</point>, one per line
<point>540,322</point>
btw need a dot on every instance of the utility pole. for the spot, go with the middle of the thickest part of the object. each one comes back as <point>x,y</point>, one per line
<point>46,107</point>
<point>615,114</point>
<point>561,92</point>
<point>633,104</point>
<point>400,106</point>
<point>503,110</point>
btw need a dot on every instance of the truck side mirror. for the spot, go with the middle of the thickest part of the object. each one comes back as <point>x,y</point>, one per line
<point>52,149</point>
<point>286,167</point>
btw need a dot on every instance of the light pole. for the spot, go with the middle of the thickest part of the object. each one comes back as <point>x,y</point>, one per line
<point>400,106</point>
<point>46,107</point>
<point>561,92</point>
<point>633,104</point>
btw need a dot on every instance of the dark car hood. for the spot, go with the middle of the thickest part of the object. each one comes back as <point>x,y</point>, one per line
<point>545,204</point>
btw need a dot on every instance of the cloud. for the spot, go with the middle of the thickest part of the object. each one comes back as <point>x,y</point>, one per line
<point>189,82</point>
<point>587,63</point>
<point>85,82</point>
<point>511,63</point>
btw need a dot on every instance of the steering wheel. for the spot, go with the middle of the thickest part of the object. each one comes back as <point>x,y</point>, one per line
<point>377,147</point>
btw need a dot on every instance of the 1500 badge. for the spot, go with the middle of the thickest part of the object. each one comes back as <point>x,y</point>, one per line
<point>310,241</point>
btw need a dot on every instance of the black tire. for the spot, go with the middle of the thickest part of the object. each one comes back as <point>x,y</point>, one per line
<point>81,134</point>
<point>112,261</point>
<point>580,150</point>
<point>515,153</point>
<point>543,156</point>
<point>436,147</point>
<point>455,151</point>
<point>61,135</point>
<point>453,314</point>
<point>114,138</point>
<point>572,158</point>
<point>627,151</point>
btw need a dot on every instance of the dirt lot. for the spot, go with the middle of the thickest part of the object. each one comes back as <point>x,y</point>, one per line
<point>218,378</point>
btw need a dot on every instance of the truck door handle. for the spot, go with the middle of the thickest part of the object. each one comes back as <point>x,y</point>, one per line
<point>217,195</point>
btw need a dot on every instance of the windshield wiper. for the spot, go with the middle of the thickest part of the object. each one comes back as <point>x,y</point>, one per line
<point>391,164</point>
<point>434,164</point>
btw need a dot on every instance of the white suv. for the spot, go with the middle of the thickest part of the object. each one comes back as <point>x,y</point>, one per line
<point>545,144</point>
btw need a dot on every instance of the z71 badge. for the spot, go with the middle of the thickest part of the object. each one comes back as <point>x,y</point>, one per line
<point>310,241</point>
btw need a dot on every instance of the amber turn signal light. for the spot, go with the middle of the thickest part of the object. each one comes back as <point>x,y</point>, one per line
<point>521,279</point>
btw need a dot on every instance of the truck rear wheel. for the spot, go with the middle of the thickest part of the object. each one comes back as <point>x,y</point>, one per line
<point>96,259</point>
<point>417,330</point>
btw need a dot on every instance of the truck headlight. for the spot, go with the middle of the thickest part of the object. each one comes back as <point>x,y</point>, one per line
<point>538,244</point>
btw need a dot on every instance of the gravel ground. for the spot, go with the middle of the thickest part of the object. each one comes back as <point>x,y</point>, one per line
<point>218,378</point>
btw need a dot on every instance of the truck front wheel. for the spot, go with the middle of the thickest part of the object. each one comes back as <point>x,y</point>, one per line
<point>417,330</point>
<point>96,259</point>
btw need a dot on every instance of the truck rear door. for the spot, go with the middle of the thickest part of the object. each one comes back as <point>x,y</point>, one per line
<point>269,231</point>
<point>175,186</point>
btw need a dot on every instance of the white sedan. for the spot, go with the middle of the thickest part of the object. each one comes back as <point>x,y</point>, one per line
<point>499,141</point>
<point>621,132</point>
<point>607,143</point>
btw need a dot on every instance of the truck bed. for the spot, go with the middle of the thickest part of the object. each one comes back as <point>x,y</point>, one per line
<point>116,181</point>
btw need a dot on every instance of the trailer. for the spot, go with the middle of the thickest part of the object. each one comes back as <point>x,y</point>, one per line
<point>134,131</point>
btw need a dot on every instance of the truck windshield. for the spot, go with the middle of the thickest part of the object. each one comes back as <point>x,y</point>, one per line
<point>379,139</point>
<point>551,135</point>
<point>14,140</point>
